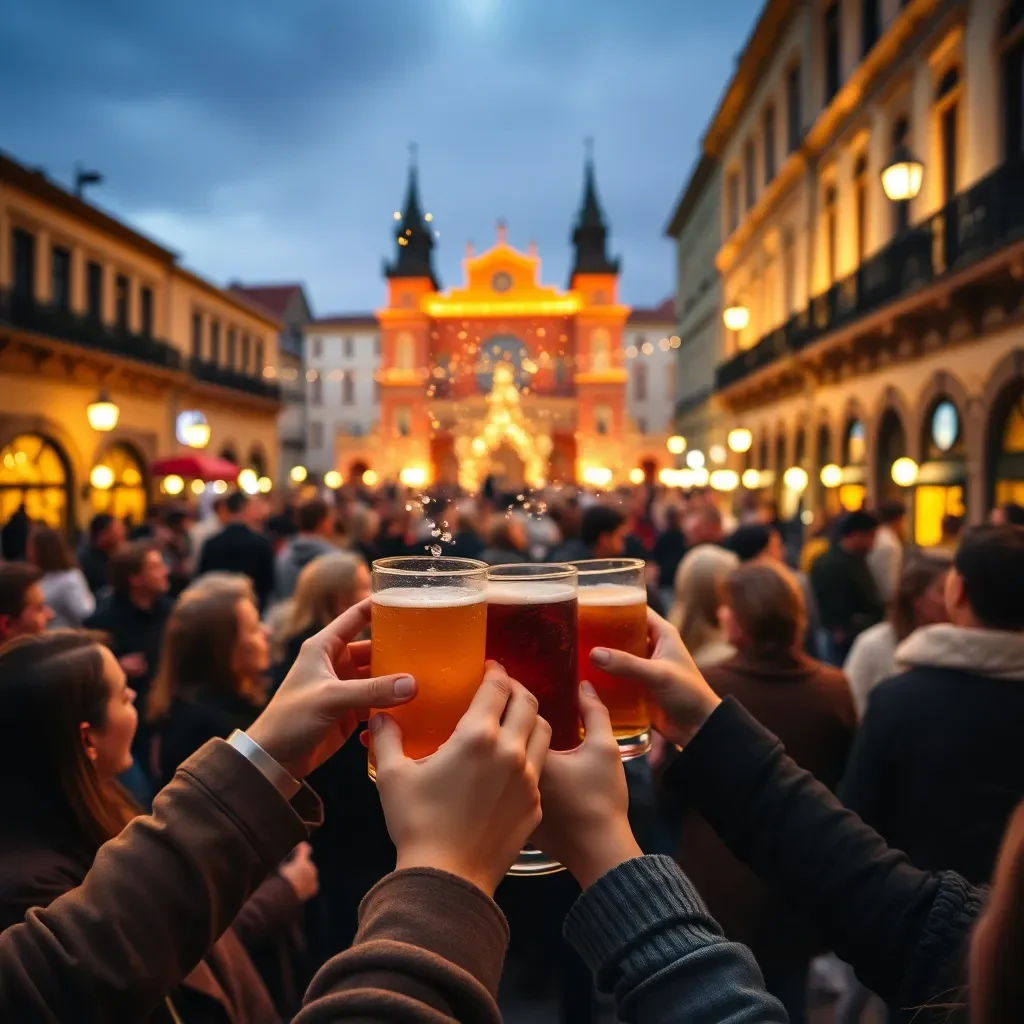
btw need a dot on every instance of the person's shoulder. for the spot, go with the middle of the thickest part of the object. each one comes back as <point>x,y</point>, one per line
<point>33,874</point>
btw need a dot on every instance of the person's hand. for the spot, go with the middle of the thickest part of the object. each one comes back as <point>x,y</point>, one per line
<point>584,800</point>
<point>134,665</point>
<point>300,873</point>
<point>469,807</point>
<point>325,695</point>
<point>684,699</point>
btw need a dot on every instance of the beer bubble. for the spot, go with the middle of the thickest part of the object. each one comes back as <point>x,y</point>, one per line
<point>446,537</point>
<point>425,499</point>
<point>435,550</point>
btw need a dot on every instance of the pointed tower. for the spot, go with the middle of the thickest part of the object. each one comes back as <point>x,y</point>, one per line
<point>404,426</point>
<point>590,236</point>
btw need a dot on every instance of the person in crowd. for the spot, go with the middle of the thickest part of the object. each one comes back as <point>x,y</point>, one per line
<point>506,539</point>
<point>240,549</point>
<point>315,522</point>
<point>936,766</point>
<point>393,539</point>
<point>886,556</point>
<point>694,611</point>
<point>952,530</point>
<point>808,706</point>
<point>566,515</point>
<point>669,548</point>
<point>1011,513</point>
<point>106,537</point>
<point>466,539</point>
<point>919,601</point>
<point>64,586</point>
<point>14,535</point>
<point>23,607</point>
<point>364,528</point>
<point>819,541</point>
<point>212,673</point>
<point>176,548</point>
<point>703,525</point>
<point>216,518</point>
<point>844,585</point>
<point>603,532</point>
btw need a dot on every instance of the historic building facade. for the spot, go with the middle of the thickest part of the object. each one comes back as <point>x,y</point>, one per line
<point>91,309</point>
<point>503,376</point>
<point>875,348</point>
<point>650,345</point>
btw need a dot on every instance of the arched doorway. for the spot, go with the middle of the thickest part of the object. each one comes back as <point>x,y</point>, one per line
<point>126,496</point>
<point>891,445</point>
<point>228,452</point>
<point>35,472</point>
<point>257,461</point>
<point>943,472</point>
<point>827,496</point>
<point>852,490</point>
<point>1006,446</point>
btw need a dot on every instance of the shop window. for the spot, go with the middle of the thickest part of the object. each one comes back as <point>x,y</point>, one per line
<point>33,472</point>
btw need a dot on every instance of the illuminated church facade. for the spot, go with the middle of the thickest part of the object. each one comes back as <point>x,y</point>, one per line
<point>502,376</point>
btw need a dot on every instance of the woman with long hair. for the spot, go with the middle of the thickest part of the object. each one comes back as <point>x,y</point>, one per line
<point>325,588</point>
<point>64,586</point>
<point>697,599</point>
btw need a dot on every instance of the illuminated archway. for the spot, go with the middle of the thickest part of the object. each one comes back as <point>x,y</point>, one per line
<point>126,496</point>
<point>35,472</point>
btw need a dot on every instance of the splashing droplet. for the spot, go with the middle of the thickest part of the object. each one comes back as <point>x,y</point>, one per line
<point>435,550</point>
<point>446,537</point>
<point>435,533</point>
<point>425,499</point>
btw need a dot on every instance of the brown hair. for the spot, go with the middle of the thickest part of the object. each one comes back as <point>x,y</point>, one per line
<point>50,551</point>
<point>127,564</point>
<point>768,606</point>
<point>694,611</point>
<point>15,579</point>
<point>198,645</point>
<point>322,587</point>
<point>310,514</point>
<point>920,571</point>
<point>49,685</point>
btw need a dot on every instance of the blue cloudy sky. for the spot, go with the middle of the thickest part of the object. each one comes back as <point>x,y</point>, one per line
<point>267,139</point>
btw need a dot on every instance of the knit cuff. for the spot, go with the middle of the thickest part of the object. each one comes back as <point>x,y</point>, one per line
<point>640,915</point>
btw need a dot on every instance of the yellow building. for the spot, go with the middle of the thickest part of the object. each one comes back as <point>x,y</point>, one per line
<point>875,348</point>
<point>90,308</point>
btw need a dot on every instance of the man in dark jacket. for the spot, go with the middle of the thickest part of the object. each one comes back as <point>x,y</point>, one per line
<point>844,586</point>
<point>106,538</point>
<point>315,521</point>
<point>237,548</point>
<point>936,768</point>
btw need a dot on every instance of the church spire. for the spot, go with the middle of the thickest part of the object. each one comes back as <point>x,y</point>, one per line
<point>413,235</point>
<point>590,236</point>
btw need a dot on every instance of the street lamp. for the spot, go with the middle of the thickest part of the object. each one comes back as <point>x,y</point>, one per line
<point>676,444</point>
<point>298,474</point>
<point>739,440</point>
<point>332,479</point>
<point>795,478</point>
<point>902,176</point>
<point>101,477</point>
<point>736,317</point>
<point>904,472</point>
<point>831,475</point>
<point>695,459</point>
<point>751,479</point>
<point>724,480</point>
<point>102,413</point>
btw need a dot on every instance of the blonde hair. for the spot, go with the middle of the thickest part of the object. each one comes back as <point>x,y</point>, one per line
<point>694,611</point>
<point>323,590</point>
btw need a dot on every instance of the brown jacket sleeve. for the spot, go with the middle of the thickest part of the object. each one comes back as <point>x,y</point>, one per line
<point>157,897</point>
<point>429,950</point>
<point>271,911</point>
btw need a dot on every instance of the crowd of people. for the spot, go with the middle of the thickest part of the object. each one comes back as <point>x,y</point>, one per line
<point>190,834</point>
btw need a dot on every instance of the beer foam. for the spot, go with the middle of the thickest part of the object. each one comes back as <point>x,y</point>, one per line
<point>611,594</point>
<point>526,591</point>
<point>428,597</point>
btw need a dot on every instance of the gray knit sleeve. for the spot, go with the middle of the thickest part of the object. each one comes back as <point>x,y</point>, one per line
<point>645,932</point>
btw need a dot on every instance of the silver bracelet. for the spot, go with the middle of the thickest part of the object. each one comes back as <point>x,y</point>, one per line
<point>268,767</point>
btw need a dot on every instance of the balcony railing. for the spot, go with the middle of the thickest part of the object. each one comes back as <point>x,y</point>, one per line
<point>214,373</point>
<point>974,224</point>
<point>26,313</point>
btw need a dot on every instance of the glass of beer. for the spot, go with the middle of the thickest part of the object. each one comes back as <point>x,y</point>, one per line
<point>613,613</point>
<point>428,618</point>
<point>532,633</point>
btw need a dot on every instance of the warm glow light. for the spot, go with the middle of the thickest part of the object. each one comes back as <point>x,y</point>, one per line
<point>101,477</point>
<point>736,318</point>
<point>332,478</point>
<point>298,474</point>
<point>751,479</point>
<point>739,440</point>
<point>637,476</point>
<point>676,444</point>
<point>697,477</point>
<point>264,484</point>
<point>795,478</point>
<point>902,176</point>
<point>717,454</point>
<point>904,472</point>
<point>220,487</point>
<point>370,478</point>
<point>831,475</point>
<point>413,476</point>
<point>695,459</point>
<point>429,217</point>
<point>248,481</point>
<point>197,487</point>
<point>102,413</point>
<point>398,216</point>
<point>173,484</point>
<point>131,477</point>
<point>668,478</point>
<point>725,480</point>
<point>597,476</point>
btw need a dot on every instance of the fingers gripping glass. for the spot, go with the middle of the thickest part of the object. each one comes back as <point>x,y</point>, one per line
<point>532,633</point>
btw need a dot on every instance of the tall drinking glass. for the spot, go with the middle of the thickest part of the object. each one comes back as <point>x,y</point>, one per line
<point>428,618</point>
<point>532,632</point>
<point>613,613</point>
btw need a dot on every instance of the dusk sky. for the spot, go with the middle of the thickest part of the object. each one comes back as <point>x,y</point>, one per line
<point>267,140</point>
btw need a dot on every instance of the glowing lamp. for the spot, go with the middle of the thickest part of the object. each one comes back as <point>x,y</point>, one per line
<point>192,429</point>
<point>298,474</point>
<point>220,487</point>
<point>695,459</point>
<point>248,481</point>
<point>676,444</point>
<point>173,484</point>
<point>739,440</point>
<point>902,176</point>
<point>904,472</point>
<point>370,478</point>
<point>717,454</point>
<point>668,478</point>
<point>197,487</point>
<point>637,476</point>
<point>264,484</point>
<point>795,478</point>
<point>332,478</point>
<point>597,476</point>
<point>413,476</point>
<point>724,480</point>
<point>102,413</point>
<point>751,479</point>
<point>736,317</point>
<point>831,475</point>
<point>101,477</point>
<point>697,477</point>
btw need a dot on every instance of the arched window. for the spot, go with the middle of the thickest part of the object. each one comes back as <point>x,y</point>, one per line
<point>125,498</point>
<point>257,461</point>
<point>854,446</point>
<point>892,445</point>
<point>34,472</point>
<point>600,349</point>
<point>405,354</point>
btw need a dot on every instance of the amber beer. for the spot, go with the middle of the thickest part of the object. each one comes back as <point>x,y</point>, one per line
<point>428,618</point>
<point>613,613</point>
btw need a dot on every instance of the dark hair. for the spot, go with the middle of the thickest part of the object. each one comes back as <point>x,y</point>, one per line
<point>127,564</point>
<point>598,521</point>
<point>236,502</point>
<point>990,560</point>
<point>50,551</point>
<point>15,579</point>
<point>98,524</point>
<point>768,606</point>
<point>952,526</point>
<point>311,514</point>
<point>860,521</point>
<point>49,685</point>
<point>1014,513</point>
<point>747,542</point>
<point>920,570</point>
<point>891,511</point>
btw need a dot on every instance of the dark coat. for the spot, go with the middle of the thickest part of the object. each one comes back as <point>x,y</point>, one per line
<point>95,565</point>
<point>667,553</point>
<point>847,595</point>
<point>238,549</point>
<point>809,707</point>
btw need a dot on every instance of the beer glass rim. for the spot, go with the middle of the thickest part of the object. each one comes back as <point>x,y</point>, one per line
<point>428,565</point>
<point>552,571</point>
<point>605,566</point>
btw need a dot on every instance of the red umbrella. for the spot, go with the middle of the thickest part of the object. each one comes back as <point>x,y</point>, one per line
<point>195,467</point>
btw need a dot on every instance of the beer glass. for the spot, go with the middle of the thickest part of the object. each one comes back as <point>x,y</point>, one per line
<point>613,613</point>
<point>532,633</point>
<point>428,618</point>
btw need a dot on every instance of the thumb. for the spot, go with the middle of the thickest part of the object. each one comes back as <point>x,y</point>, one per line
<point>386,735</point>
<point>619,663</point>
<point>596,720</point>
<point>377,692</point>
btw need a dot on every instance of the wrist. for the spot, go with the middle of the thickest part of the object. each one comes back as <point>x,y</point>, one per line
<point>436,861</point>
<point>260,734</point>
<point>602,852</point>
